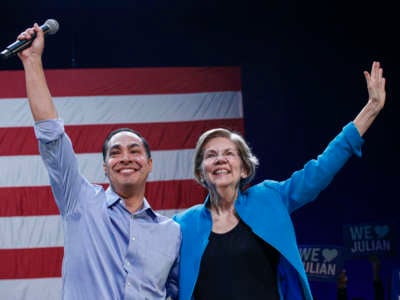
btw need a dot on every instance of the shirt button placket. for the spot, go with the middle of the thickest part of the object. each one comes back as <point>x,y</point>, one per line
<point>128,263</point>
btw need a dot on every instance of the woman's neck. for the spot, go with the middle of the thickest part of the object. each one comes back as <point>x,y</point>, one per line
<point>223,214</point>
<point>223,199</point>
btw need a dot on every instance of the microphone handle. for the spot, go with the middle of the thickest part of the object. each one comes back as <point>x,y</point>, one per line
<point>20,45</point>
<point>16,47</point>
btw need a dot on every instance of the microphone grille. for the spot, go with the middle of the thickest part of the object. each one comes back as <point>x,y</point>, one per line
<point>53,26</point>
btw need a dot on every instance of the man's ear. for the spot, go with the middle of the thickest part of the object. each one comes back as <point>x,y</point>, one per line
<point>105,169</point>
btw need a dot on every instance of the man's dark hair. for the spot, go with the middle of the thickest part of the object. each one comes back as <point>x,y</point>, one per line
<point>114,132</point>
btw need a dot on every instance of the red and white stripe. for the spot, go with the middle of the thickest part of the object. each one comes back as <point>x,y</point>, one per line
<point>171,107</point>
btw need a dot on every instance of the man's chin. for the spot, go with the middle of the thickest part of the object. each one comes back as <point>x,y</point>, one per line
<point>123,186</point>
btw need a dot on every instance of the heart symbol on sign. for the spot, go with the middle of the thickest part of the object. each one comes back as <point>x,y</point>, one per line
<point>381,231</point>
<point>329,254</point>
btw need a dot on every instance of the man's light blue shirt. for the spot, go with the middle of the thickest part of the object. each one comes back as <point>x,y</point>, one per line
<point>109,253</point>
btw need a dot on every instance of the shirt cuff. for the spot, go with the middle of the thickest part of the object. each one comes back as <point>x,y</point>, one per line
<point>354,138</point>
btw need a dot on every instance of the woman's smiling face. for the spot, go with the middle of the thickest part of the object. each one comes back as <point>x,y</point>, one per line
<point>222,166</point>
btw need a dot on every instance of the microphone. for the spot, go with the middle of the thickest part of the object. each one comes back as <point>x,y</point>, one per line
<point>49,27</point>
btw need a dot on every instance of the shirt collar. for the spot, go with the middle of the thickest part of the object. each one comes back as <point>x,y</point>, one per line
<point>113,198</point>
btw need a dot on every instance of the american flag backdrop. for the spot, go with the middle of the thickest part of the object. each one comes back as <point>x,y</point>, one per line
<point>171,107</point>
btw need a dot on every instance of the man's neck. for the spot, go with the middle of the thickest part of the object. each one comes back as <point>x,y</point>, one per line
<point>133,198</point>
<point>134,203</point>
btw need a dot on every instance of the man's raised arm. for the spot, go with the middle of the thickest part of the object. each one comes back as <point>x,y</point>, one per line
<point>38,93</point>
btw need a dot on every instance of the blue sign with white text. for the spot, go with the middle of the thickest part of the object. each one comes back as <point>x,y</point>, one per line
<point>322,262</point>
<point>369,239</point>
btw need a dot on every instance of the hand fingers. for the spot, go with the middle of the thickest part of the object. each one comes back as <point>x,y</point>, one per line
<point>27,34</point>
<point>376,73</point>
<point>367,76</point>
<point>37,29</point>
<point>30,32</point>
<point>375,66</point>
<point>377,70</point>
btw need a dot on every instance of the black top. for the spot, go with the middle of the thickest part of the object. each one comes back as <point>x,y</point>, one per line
<point>237,265</point>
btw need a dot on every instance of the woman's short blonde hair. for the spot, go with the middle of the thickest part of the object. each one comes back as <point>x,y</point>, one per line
<point>249,160</point>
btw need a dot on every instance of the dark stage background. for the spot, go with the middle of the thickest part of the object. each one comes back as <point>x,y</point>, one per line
<point>302,64</point>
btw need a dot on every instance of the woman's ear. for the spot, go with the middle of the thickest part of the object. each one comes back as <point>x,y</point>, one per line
<point>202,178</point>
<point>200,175</point>
<point>244,173</point>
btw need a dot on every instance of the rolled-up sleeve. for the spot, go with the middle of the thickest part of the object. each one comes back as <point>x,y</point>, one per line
<point>48,130</point>
<point>57,153</point>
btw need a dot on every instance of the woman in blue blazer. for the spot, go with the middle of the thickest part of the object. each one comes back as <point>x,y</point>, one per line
<point>240,243</point>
